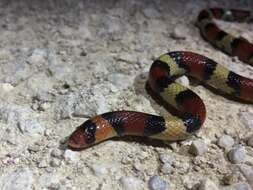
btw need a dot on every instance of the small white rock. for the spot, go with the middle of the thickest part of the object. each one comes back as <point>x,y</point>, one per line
<point>179,32</point>
<point>247,119</point>
<point>151,12</point>
<point>99,170</point>
<point>207,184</point>
<point>166,169</point>
<point>166,158</point>
<point>33,148</point>
<point>237,155</point>
<point>157,183</point>
<point>198,147</point>
<point>70,156</point>
<point>226,141</point>
<point>130,183</point>
<point>38,56</point>
<point>138,166</point>
<point>184,80</point>
<point>30,126</point>
<point>6,87</point>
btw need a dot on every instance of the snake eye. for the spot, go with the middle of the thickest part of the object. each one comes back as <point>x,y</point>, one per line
<point>90,133</point>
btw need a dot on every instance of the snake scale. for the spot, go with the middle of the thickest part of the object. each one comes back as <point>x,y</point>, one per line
<point>161,81</point>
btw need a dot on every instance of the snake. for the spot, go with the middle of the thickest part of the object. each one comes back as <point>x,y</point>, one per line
<point>191,111</point>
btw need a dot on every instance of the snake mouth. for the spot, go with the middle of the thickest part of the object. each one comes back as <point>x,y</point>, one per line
<point>73,144</point>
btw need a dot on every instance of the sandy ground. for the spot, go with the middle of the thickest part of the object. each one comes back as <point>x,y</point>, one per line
<point>64,61</point>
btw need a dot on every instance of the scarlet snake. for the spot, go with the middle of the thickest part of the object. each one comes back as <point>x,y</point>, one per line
<point>162,75</point>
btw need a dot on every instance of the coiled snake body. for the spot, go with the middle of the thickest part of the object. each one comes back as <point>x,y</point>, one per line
<point>162,75</point>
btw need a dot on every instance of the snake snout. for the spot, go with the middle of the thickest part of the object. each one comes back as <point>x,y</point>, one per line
<point>77,140</point>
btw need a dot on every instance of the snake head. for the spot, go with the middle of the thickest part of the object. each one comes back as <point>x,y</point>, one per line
<point>83,136</point>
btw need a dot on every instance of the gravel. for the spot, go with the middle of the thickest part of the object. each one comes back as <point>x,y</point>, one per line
<point>70,156</point>
<point>237,155</point>
<point>198,147</point>
<point>226,141</point>
<point>19,179</point>
<point>166,158</point>
<point>157,183</point>
<point>64,61</point>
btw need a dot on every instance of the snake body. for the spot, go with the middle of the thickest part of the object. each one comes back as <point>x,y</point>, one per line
<point>161,81</point>
<point>229,44</point>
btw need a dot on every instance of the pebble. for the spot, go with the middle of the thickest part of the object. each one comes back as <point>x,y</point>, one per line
<point>6,87</point>
<point>237,186</point>
<point>250,141</point>
<point>130,183</point>
<point>226,141</point>
<point>43,164</point>
<point>150,12</point>
<point>184,80</point>
<point>38,57</point>
<point>33,148</point>
<point>31,126</point>
<point>19,179</point>
<point>70,156</point>
<point>179,32</point>
<point>166,168</point>
<point>55,162</point>
<point>166,158</point>
<point>237,155</point>
<point>207,184</point>
<point>56,153</point>
<point>230,178</point>
<point>157,183</point>
<point>247,172</point>
<point>247,119</point>
<point>138,166</point>
<point>198,147</point>
<point>99,169</point>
